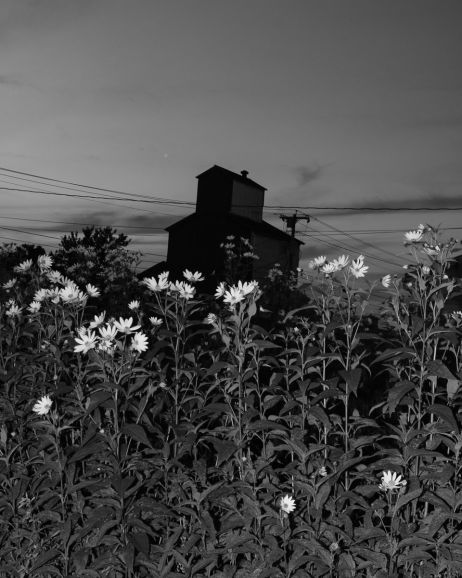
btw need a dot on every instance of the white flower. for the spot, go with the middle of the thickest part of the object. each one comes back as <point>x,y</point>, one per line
<point>9,284</point>
<point>154,285</point>
<point>233,296</point>
<point>386,281</point>
<point>54,294</point>
<point>86,341</point>
<point>220,291</point>
<point>211,318</point>
<point>156,321</point>
<point>322,471</point>
<point>24,266</point>
<point>192,277</point>
<point>230,238</point>
<point>40,295</point>
<point>43,406</point>
<point>70,294</point>
<point>341,262</point>
<point>247,287</point>
<point>54,276</point>
<point>391,481</point>
<point>317,262</point>
<point>92,290</point>
<point>134,305</point>
<point>125,325</point>
<point>287,504</point>
<point>98,319</point>
<point>329,268</point>
<point>357,268</point>
<point>13,311</point>
<point>426,269</point>
<point>109,332</point>
<point>34,307</point>
<point>44,262</point>
<point>66,281</point>
<point>414,236</point>
<point>184,289</point>
<point>139,342</point>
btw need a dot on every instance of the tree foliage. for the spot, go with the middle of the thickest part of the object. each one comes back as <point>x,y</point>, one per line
<point>100,256</point>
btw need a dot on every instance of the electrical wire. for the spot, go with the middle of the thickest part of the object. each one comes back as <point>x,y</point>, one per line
<point>366,243</point>
<point>162,200</point>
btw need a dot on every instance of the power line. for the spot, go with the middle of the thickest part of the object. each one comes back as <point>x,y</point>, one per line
<point>347,248</point>
<point>22,241</point>
<point>162,200</point>
<point>354,238</point>
<point>73,184</point>
<point>82,224</point>
<point>27,233</point>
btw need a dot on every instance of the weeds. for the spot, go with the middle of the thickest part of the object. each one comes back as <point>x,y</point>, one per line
<point>186,440</point>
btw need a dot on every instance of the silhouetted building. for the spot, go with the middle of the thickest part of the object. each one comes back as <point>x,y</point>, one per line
<point>227,204</point>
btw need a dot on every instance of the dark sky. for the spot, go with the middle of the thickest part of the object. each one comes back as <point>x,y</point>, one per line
<point>325,102</point>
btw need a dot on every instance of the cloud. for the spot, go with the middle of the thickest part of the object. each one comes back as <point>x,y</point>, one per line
<point>9,80</point>
<point>308,173</point>
<point>430,202</point>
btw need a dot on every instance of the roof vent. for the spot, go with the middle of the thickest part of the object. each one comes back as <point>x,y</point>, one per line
<point>244,174</point>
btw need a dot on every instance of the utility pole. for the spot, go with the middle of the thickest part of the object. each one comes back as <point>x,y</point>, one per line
<point>291,221</point>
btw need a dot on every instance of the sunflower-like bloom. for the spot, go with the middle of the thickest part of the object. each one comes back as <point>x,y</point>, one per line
<point>414,236</point>
<point>44,262</point>
<point>233,296</point>
<point>386,281</point>
<point>357,268</point>
<point>391,481</point>
<point>92,291</point>
<point>125,325</point>
<point>192,277</point>
<point>85,342</point>
<point>287,504</point>
<point>139,342</point>
<point>43,405</point>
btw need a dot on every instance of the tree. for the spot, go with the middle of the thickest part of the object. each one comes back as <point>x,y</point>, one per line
<point>100,256</point>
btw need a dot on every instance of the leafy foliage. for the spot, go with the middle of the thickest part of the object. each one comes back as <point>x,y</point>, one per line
<point>101,257</point>
<point>330,445</point>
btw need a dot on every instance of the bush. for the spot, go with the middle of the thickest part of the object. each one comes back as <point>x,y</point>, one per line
<point>181,441</point>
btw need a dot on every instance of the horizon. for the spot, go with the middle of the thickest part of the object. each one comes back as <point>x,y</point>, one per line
<point>326,105</point>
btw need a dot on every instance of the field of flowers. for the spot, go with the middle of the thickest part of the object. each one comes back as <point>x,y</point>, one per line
<point>184,439</point>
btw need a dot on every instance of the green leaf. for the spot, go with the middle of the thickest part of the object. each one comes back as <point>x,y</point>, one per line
<point>438,368</point>
<point>136,432</point>
<point>352,378</point>
<point>407,497</point>
<point>45,558</point>
<point>224,448</point>
<point>265,425</point>
<point>398,392</point>
<point>452,386</point>
<point>322,495</point>
<point>445,413</point>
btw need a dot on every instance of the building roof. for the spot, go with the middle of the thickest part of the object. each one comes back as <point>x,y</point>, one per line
<point>241,177</point>
<point>261,227</point>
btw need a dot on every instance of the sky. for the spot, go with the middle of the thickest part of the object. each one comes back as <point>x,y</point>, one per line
<point>327,103</point>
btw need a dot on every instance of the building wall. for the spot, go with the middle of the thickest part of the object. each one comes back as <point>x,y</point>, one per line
<point>271,251</point>
<point>247,201</point>
<point>213,194</point>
